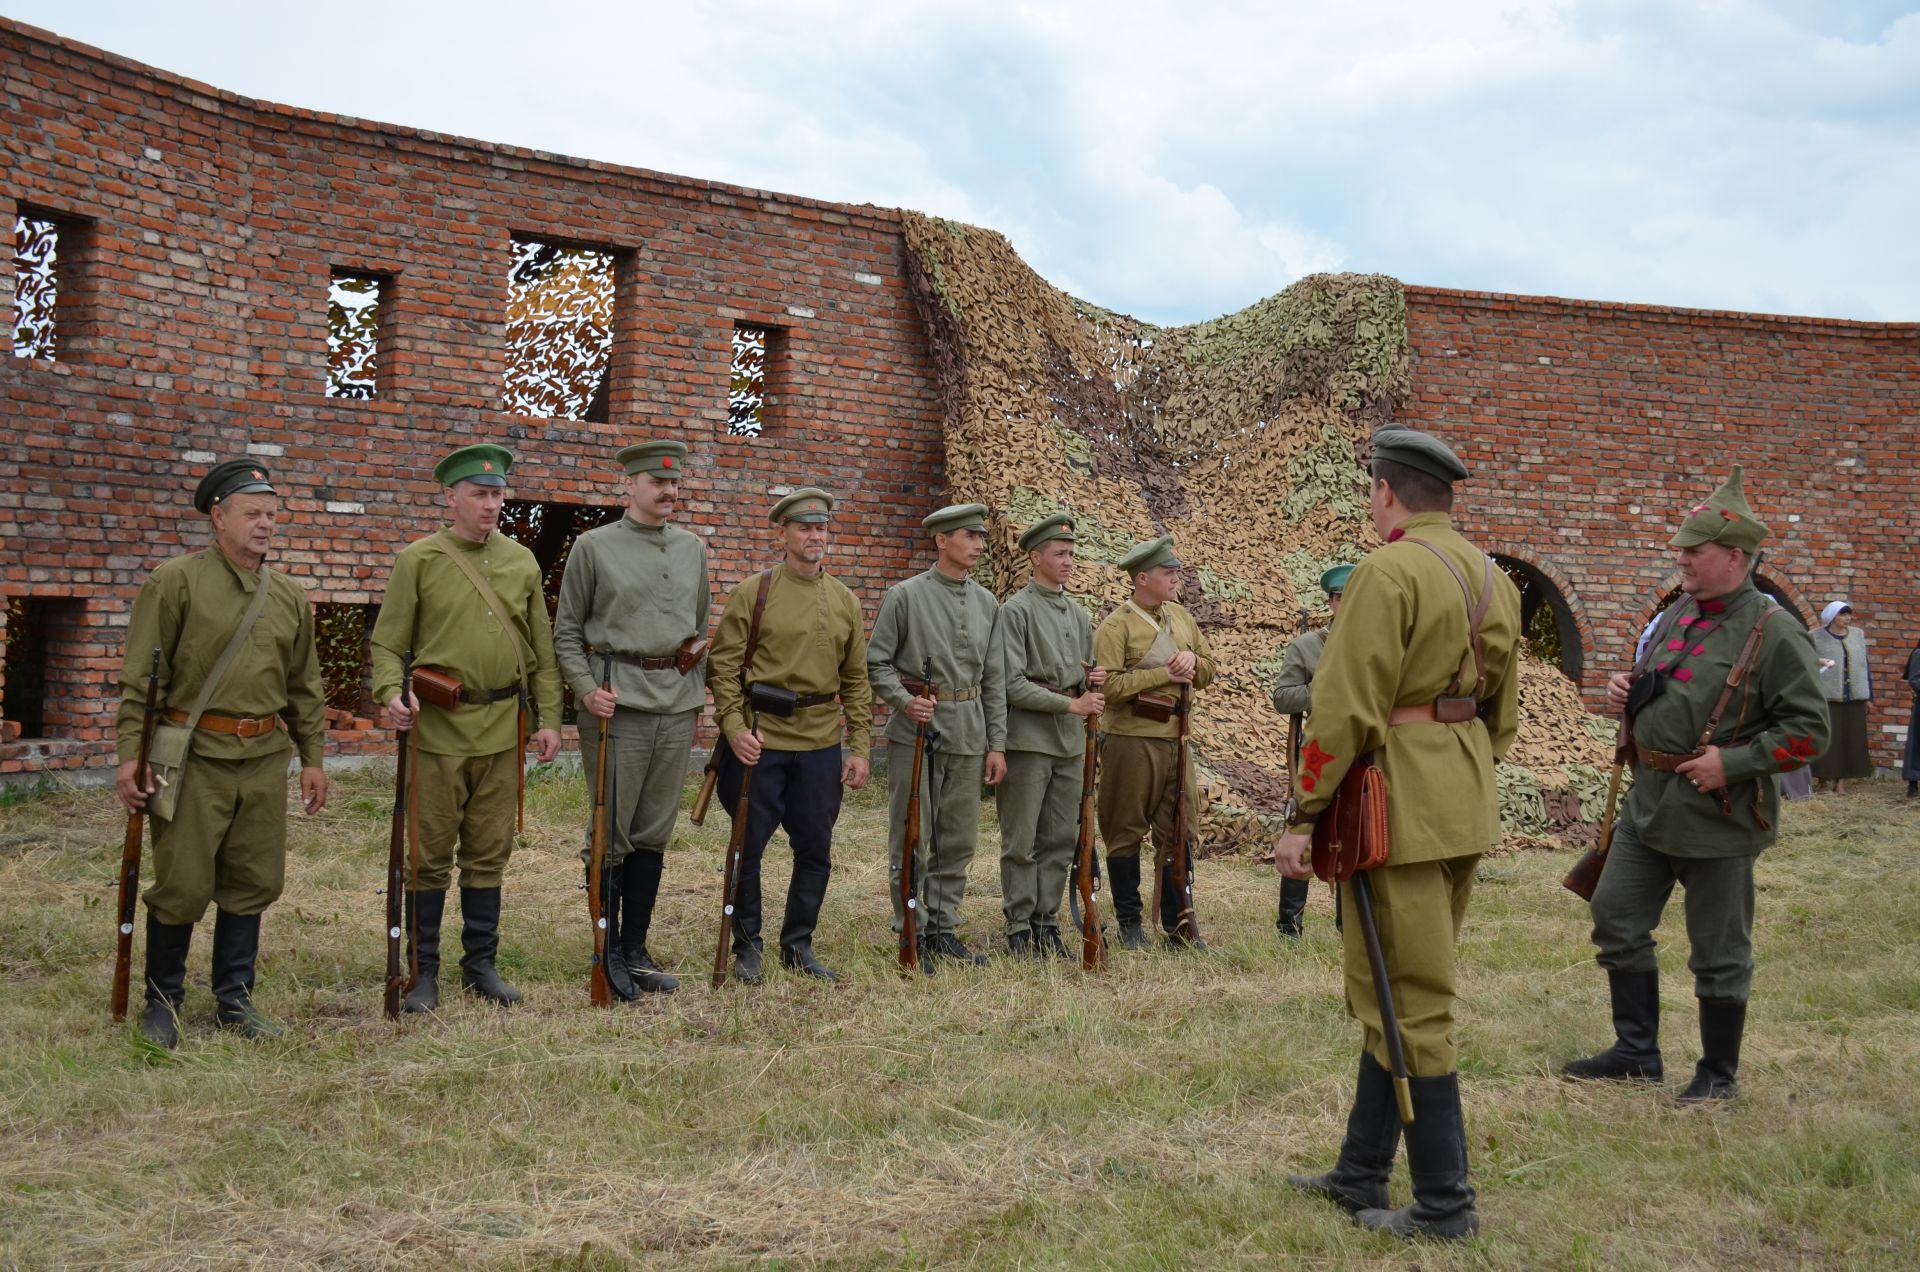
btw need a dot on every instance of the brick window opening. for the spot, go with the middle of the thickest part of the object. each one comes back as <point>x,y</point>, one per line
<point>36,255</point>
<point>353,333</point>
<point>548,530</point>
<point>39,630</point>
<point>559,338</point>
<point>747,387</point>
<point>341,635</point>
<point>1547,626</point>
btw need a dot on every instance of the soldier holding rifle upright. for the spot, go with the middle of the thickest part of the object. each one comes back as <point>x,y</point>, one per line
<point>1423,677</point>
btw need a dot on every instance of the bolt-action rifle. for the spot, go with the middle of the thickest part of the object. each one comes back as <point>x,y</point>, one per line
<point>1086,861</point>
<point>130,849</point>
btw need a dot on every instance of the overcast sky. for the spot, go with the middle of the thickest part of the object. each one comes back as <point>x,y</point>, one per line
<point>1181,160</point>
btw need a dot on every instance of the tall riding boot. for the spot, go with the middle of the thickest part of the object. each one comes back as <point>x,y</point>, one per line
<point>619,981</point>
<point>1124,874</point>
<point>1358,1180</point>
<point>1293,907</point>
<point>480,938</point>
<point>640,882</point>
<point>1635,1054</point>
<point>166,977</point>
<point>1722,1024</point>
<point>424,994</point>
<point>236,947</point>
<point>1437,1162</point>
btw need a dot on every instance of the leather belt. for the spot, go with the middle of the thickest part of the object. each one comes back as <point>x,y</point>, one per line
<point>235,726</point>
<point>646,662</point>
<point>486,697</point>
<point>1410,715</point>
<point>918,688</point>
<point>814,700</point>
<point>1050,687</point>
<point>1664,761</point>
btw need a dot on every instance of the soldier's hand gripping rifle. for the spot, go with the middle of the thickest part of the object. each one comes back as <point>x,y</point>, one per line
<point>130,850</point>
<point>910,837</point>
<point>399,885</point>
<point>1086,861</point>
<point>1178,865</point>
<point>598,991</point>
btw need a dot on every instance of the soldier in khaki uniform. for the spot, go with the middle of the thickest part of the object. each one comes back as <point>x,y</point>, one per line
<point>1704,803</point>
<point>227,839</point>
<point>1404,654</point>
<point>942,619</point>
<point>1042,640</point>
<point>1148,645</point>
<point>1293,696</point>
<point>468,767</point>
<point>637,590</point>
<point>812,658</point>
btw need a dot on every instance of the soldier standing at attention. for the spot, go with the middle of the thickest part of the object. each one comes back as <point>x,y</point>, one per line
<point>245,662</point>
<point>809,655</point>
<point>1293,696</point>
<point>1423,677</point>
<point>637,590</point>
<point>467,602</point>
<point>944,619</point>
<point>1704,803</point>
<point>1149,647</point>
<point>1042,640</point>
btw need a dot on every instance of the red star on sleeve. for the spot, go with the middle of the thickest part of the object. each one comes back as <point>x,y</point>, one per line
<point>1313,759</point>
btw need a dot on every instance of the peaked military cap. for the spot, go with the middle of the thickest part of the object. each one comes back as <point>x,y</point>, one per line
<point>662,459</point>
<point>235,477</point>
<point>1335,580</point>
<point>483,465</point>
<point>1724,518</point>
<point>809,503</point>
<point>1059,526</point>
<point>1142,557</point>
<point>956,517</point>
<point>1422,452</point>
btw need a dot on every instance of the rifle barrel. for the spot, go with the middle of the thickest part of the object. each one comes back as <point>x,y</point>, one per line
<point>130,852</point>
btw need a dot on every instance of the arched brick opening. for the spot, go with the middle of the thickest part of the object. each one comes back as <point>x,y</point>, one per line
<point>1546,589</point>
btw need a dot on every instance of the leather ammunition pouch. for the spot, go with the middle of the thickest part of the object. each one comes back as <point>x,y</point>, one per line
<point>772,700</point>
<point>1351,832</point>
<point>1156,707</point>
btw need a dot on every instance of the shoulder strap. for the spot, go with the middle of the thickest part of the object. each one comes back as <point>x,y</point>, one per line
<point>1475,612</point>
<point>1749,654</point>
<point>224,663</point>
<point>753,624</point>
<point>499,608</point>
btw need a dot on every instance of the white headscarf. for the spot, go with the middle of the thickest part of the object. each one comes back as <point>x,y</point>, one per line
<point>1833,611</point>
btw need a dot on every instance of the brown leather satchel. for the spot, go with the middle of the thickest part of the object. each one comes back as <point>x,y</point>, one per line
<point>1351,834</point>
<point>437,688</point>
<point>1156,707</point>
<point>692,652</point>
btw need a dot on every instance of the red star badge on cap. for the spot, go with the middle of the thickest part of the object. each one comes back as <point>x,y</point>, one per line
<point>487,464</point>
<point>666,461</point>
<point>258,475</point>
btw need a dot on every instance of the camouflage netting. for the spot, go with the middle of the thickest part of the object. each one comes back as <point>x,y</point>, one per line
<point>1242,437</point>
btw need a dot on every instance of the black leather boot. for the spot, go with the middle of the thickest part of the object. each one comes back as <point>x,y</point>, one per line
<point>1293,907</point>
<point>1722,1024</point>
<point>799,957</point>
<point>480,938</point>
<point>1020,944</point>
<point>1437,1162</point>
<point>1047,943</point>
<point>619,980</point>
<point>640,885</point>
<point>946,945</point>
<point>166,977</point>
<point>1635,1054</point>
<point>1124,875</point>
<point>747,967</point>
<point>236,947</point>
<point>424,995</point>
<point>1358,1180</point>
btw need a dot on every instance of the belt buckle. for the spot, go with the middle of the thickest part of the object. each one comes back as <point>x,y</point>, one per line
<point>249,727</point>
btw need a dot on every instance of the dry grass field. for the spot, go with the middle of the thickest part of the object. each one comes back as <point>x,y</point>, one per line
<point>1018,1116</point>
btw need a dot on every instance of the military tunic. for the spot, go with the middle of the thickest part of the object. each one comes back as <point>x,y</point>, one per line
<point>948,622</point>
<point>1403,637</point>
<point>1040,639</point>
<point>468,760</point>
<point>1293,686</point>
<point>1137,766</point>
<point>227,841</point>
<point>640,591</point>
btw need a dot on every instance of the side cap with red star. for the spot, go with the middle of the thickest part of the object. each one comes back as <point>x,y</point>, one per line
<point>1723,518</point>
<point>483,465</point>
<point>662,459</point>
<point>235,477</point>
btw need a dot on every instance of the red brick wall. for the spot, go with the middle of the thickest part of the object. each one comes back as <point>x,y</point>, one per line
<point>1592,425</point>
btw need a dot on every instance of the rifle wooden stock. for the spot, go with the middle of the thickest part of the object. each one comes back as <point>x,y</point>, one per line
<point>730,876</point>
<point>1383,993</point>
<point>130,852</point>
<point>598,991</point>
<point>399,902</point>
<point>1093,941</point>
<point>1179,857</point>
<point>910,843</point>
<point>699,815</point>
<point>1585,875</point>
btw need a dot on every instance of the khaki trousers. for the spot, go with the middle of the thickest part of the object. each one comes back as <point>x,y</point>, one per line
<point>1039,805</point>
<point>1419,909</point>
<point>227,842</point>
<point>467,809</point>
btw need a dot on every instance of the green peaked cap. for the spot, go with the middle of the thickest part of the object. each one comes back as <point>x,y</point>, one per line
<point>1058,526</point>
<point>1335,580</point>
<point>1142,557</point>
<point>1724,518</point>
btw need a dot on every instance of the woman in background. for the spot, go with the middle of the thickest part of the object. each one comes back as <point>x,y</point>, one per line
<point>1842,650</point>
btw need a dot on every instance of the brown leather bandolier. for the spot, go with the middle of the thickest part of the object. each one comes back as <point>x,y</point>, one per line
<point>1454,707</point>
<point>1670,762</point>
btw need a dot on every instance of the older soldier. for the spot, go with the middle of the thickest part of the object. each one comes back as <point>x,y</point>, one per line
<point>637,590</point>
<point>777,711</point>
<point>1703,803</point>
<point>1042,641</point>
<point>238,666</point>
<point>1149,646</point>
<point>944,620</point>
<point>468,602</point>
<point>1293,696</point>
<point>1423,677</point>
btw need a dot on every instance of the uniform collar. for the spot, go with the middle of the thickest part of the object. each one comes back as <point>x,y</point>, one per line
<point>959,584</point>
<point>247,580</point>
<point>1721,604</point>
<point>460,541</point>
<point>787,572</point>
<point>1420,521</point>
<point>626,519</point>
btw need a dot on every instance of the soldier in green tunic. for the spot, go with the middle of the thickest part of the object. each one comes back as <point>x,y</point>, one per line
<point>496,640</point>
<point>1042,641</point>
<point>227,839</point>
<point>637,590</point>
<point>1704,802</point>
<point>1148,645</point>
<point>810,662</point>
<point>1409,683</point>
<point>943,620</point>
<point>1293,696</point>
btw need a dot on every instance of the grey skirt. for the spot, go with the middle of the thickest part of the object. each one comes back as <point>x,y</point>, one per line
<point>1846,755</point>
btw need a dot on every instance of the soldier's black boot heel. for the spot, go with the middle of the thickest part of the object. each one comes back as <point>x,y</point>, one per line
<point>166,977</point>
<point>236,947</point>
<point>799,957</point>
<point>1722,1024</point>
<point>1437,1163</point>
<point>1635,1054</point>
<point>1358,1180</point>
<point>480,938</point>
<point>619,979</point>
<point>424,994</point>
<point>1124,874</point>
<point>640,885</point>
